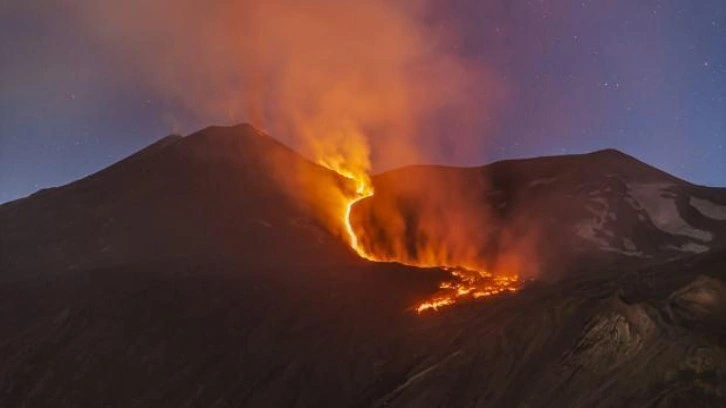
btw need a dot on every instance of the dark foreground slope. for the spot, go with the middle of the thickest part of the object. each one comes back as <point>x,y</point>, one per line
<point>165,335</point>
<point>240,298</point>
<point>652,337</point>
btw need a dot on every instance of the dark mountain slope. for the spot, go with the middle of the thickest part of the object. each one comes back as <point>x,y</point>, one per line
<point>651,337</point>
<point>197,301</point>
<point>164,334</point>
<point>565,213</point>
<point>212,195</point>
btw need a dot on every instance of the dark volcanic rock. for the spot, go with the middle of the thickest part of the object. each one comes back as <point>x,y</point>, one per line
<point>566,212</point>
<point>185,276</point>
<point>209,195</point>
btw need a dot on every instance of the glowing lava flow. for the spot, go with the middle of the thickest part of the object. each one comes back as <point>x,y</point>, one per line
<point>363,191</point>
<point>467,283</point>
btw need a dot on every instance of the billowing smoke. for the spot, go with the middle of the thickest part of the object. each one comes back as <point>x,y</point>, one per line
<point>354,85</point>
<point>342,80</point>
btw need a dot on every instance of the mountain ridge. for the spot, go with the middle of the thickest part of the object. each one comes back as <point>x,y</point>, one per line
<point>187,277</point>
<point>507,190</point>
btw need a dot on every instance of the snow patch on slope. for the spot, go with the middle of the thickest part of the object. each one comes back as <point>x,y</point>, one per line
<point>708,209</point>
<point>589,230</point>
<point>593,229</point>
<point>660,205</point>
<point>690,247</point>
<point>542,181</point>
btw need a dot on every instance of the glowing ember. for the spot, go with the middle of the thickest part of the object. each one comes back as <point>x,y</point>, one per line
<point>434,304</point>
<point>468,285</point>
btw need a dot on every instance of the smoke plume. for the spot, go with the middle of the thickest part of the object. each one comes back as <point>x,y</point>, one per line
<point>354,85</point>
<point>345,82</point>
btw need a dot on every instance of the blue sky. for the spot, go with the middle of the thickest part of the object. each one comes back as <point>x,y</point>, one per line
<point>646,77</point>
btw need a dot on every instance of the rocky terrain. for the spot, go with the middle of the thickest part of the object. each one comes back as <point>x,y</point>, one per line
<point>186,276</point>
<point>567,212</point>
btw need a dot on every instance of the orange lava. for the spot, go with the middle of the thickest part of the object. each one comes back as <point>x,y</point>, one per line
<point>363,191</point>
<point>467,283</point>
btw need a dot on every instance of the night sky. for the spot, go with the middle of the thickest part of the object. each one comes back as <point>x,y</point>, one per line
<point>646,77</point>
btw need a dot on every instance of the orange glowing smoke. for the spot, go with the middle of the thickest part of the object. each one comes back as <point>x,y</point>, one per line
<point>467,283</point>
<point>341,81</point>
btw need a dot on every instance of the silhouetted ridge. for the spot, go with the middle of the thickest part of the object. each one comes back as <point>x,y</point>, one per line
<point>222,192</point>
<point>197,273</point>
<point>593,208</point>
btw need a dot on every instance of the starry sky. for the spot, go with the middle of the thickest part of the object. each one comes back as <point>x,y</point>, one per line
<point>646,77</point>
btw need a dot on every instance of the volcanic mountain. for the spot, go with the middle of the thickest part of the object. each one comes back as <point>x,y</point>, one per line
<point>195,273</point>
<point>566,212</point>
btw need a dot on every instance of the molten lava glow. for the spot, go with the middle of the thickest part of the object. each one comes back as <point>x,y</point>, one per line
<point>434,304</point>
<point>468,285</point>
<point>468,282</point>
<point>363,191</point>
<point>338,90</point>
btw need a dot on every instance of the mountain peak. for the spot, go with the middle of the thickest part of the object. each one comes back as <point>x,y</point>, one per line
<point>610,152</point>
<point>194,260</point>
<point>220,132</point>
<point>224,143</point>
<point>612,161</point>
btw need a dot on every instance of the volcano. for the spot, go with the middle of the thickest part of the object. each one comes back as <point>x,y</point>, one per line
<point>194,273</point>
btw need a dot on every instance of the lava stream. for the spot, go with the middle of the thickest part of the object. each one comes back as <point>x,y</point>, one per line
<point>362,192</point>
<point>466,283</point>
